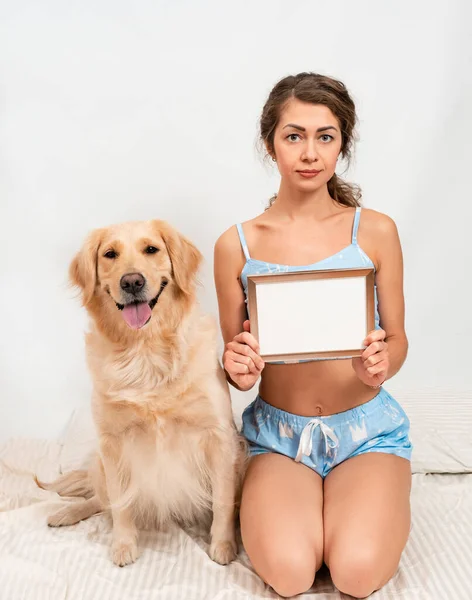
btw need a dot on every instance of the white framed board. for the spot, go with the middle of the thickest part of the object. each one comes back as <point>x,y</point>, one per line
<point>311,314</point>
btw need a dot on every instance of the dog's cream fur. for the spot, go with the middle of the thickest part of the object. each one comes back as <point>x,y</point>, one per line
<point>168,448</point>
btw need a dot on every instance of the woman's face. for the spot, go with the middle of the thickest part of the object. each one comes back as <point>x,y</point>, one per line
<point>307,143</point>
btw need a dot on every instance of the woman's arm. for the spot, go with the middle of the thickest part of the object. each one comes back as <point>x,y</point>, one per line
<point>241,361</point>
<point>386,348</point>
<point>389,279</point>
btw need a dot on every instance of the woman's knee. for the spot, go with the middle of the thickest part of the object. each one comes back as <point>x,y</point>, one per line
<point>282,532</point>
<point>288,572</point>
<point>288,566</point>
<point>360,572</point>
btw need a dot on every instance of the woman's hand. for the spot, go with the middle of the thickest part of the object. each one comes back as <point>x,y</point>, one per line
<point>241,359</point>
<point>372,366</point>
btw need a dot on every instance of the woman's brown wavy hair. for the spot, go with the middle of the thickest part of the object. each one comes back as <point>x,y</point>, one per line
<point>316,89</point>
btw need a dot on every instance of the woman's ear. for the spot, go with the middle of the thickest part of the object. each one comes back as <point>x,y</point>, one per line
<point>83,268</point>
<point>184,256</point>
<point>270,152</point>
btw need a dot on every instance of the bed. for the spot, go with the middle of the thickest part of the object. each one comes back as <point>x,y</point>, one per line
<point>39,563</point>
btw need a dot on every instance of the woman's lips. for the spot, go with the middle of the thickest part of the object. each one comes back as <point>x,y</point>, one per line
<point>309,174</point>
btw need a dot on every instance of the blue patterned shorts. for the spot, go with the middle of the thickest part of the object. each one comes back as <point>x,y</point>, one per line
<point>322,443</point>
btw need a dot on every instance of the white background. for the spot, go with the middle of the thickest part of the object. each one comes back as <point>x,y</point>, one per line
<point>112,111</point>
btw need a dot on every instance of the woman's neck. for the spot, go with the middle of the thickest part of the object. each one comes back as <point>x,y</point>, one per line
<point>295,205</point>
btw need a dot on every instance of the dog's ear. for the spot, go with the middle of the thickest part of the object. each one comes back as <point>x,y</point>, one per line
<point>184,256</point>
<point>83,268</point>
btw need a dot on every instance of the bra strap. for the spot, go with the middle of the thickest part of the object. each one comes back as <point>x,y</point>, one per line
<point>355,226</point>
<point>242,239</point>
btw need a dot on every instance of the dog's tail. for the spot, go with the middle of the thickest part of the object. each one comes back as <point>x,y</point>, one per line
<point>75,483</point>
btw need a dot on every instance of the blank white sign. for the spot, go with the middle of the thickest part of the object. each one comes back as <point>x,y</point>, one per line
<point>315,315</point>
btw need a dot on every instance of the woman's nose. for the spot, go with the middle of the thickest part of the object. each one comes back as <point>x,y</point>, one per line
<point>309,152</point>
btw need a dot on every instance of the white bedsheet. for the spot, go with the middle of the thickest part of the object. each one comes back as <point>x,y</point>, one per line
<point>39,563</point>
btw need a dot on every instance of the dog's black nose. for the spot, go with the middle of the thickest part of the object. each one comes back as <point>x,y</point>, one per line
<point>132,283</point>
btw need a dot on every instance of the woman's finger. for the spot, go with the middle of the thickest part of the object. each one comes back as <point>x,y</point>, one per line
<point>375,358</point>
<point>377,335</point>
<point>378,368</point>
<point>247,338</point>
<point>374,348</point>
<point>245,350</point>
<point>236,368</point>
<point>247,361</point>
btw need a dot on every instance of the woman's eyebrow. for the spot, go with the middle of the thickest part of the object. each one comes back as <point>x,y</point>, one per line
<point>300,128</point>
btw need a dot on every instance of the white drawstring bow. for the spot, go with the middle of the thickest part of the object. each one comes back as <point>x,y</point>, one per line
<point>306,439</point>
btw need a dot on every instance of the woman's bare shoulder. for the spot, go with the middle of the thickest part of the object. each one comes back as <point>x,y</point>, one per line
<point>228,240</point>
<point>377,223</point>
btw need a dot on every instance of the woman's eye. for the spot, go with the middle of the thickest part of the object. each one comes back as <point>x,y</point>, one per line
<point>151,250</point>
<point>293,135</point>
<point>326,135</point>
<point>110,254</point>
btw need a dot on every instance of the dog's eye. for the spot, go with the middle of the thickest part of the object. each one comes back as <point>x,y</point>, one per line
<point>151,250</point>
<point>110,254</point>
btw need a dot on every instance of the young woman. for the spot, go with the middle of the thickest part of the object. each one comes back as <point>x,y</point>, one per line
<point>329,476</point>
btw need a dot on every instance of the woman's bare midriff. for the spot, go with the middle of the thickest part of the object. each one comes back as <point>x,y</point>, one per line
<point>317,388</point>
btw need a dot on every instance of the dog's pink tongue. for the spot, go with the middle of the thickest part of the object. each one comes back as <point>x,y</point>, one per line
<point>136,315</point>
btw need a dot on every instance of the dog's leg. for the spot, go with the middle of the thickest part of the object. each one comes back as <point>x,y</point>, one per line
<point>74,512</point>
<point>124,548</point>
<point>222,460</point>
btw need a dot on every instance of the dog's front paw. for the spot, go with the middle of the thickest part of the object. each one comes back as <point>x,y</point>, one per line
<point>124,553</point>
<point>223,552</point>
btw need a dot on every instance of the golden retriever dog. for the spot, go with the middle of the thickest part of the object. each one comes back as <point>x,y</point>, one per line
<point>168,449</point>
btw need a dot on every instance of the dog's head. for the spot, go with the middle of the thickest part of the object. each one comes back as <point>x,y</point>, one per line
<point>130,266</point>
